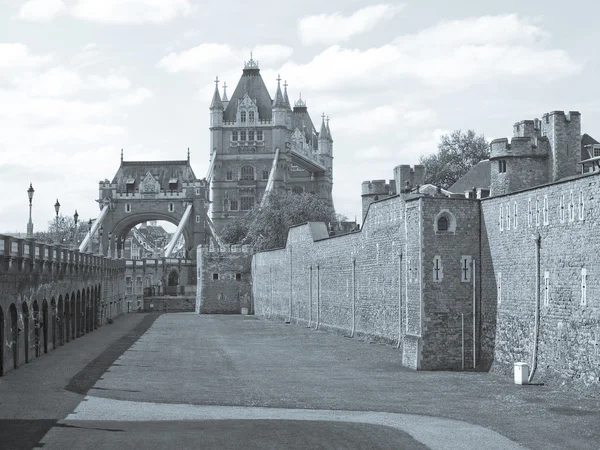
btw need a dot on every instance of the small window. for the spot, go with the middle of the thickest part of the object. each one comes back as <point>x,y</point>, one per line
<point>243,117</point>
<point>438,270</point>
<point>246,203</point>
<point>502,166</point>
<point>229,175</point>
<point>561,211</point>
<point>215,276</point>
<point>259,135</point>
<point>251,116</point>
<point>247,173</point>
<point>242,135</point>
<point>501,218</point>
<point>127,207</point>
<point>529,213</point>
<point>234,135</point>
<point>171,207</point>
<point>537,211</point>
<point>499,287</point>
<point>197,218</point>
<point>233,205</point>
<point>581,204</point>
<point>571,207</point>
<point>596,151</point>
<point>197,191</point>
<point>297,189</point>
<point>508,216</point>
<point>546,219</point>
<point>515,215</point>
<point>238,277</point>
<point>546,288</point>
<point>265,174</point>
<point>443,224</point>
<point>465,269</point>
<point>583,287</point>
<point>250,135</point>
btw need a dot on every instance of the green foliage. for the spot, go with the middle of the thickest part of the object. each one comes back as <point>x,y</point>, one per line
<point>62,231</point>
<point>267,227</point>
<point>457,153</point>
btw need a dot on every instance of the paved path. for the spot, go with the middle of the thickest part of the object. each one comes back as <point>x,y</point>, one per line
<point>241,382</point>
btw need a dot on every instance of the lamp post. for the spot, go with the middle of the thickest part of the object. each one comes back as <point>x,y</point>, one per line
<point>57,209</point>
<point>76,218</point>
<point>110,244</point>
<point>100,232</point>
<point>89,246</point>
<point>30,192</point>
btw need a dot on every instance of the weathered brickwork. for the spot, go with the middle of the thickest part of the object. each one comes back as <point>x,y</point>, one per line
<point>50,295</point>
<point>377,283</point>
<point>569,330</point>
<point>224,280</point>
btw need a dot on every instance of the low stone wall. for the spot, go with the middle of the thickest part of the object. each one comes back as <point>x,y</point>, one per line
<point>170,304</point>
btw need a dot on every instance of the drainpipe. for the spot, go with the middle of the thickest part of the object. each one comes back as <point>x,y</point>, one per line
<point>309,296</point>
<point>318,296</point>
<point>536,331</point>
<point>474,327</point>
<point>399,302</point>
<point>353,296</point>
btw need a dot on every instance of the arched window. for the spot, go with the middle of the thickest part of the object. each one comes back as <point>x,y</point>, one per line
<point>297,189</point>
<point>246,203</point>
<point>247,173</point>
<point>234,135</point>
<point>442,224</point>
<point>243,116</point>
<point>251,116</point>
<point>229,175</point>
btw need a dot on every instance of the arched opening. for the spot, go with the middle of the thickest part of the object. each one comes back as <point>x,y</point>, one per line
<point>1,342</point>
<point>173,278</point>
<point>78,315</point>
<point>36,328</point>
<point>25,309</point>
<point>90,303</point>
<point>45,324</point>
<point>73,317</point>
<point>14,328</point>
<point>247,173</point>
<point>297,189</point>
<point>60,319</point>
<point>443,224</point>
<point>67,319</point>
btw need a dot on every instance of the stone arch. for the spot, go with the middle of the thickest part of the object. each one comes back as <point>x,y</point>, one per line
<point>44,325</point>
<point>78,315</point>
<point>36,328</point>
<point>14,328</point>
<point>60,319</point>
<point>67,317</point>
<point>54,311</point>
<point>124,226</point>
<point>25,310</point>
<point>173,278</point>
<point>1,341</point>
<point>73,316</point>
<point>444,222</point>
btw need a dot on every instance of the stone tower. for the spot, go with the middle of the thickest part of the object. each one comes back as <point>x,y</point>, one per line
<point>246,131</point>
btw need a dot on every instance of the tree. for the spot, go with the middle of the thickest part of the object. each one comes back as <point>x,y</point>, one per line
<point>62,231</point>
<point>267,226</point>
<point>457,153</point>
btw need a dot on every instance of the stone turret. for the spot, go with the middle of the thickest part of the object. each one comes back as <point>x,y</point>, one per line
<point>216,107</point>
<point>279,106</point>
<point>408,178</point>
<point>374,190</point>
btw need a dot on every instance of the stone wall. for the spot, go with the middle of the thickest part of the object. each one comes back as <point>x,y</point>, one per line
<point>569,331</point>
<point>170,304</point>
<point>224,280</point>
<point>377,283</point>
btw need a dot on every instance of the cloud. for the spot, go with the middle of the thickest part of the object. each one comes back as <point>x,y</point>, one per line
<point>109,83</point>
<point>373,152</point>
<point>334,28</point>
<point>135,97</point>
<point>131,11</point>
<point>41,10</point>
<point>18,56</point>
<point>369,120</point>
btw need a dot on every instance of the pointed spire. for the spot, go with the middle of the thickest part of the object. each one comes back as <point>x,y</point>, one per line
<point>323,132</point>
<point>216,100</point>
<point>225,99</point>
<point>121,155</point>
<point>278,102</point>
<point>300,103</point>
<point>188,154</point>
<point>328,129</point>
<point>286,99</point>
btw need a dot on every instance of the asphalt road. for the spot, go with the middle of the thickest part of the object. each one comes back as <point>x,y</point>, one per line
<point>223,382</point>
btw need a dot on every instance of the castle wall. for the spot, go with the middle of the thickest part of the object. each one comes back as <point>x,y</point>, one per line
<point>569,331</point>
<point>224,280</point>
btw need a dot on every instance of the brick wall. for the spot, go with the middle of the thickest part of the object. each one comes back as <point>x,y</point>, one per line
<point>569,331</point>
<point>224,280</point>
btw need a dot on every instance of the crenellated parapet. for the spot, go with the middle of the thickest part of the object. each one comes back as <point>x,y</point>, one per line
<point>408,178</point>
<point>227,248</point>
<point>378,187</point>
<point>520,147</point>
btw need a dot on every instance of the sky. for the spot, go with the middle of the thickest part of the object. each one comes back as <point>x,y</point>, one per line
<point>82,79</point>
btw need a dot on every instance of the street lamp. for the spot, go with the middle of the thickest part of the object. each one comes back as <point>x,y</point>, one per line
<point>57,209</point>
<point>76,218</point>
<point>100,233</point>
<point>30,192</point>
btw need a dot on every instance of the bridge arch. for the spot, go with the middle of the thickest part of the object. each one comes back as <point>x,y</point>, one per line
<point>78,315</point>
<point>36,328</point>
<point>1,341</point>
<point>44,324</point>
<point>54,308</point>
<point>73,316</point>
<point>61,318</point>
<point>25,309</point>
<point>14,328</point>
<point>67,321</point>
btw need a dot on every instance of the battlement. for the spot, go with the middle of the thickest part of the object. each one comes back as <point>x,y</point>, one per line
<point>378,187</point>
<point>519,147</point>
<point>408,178</point>
<point>568,116</point>
<point>527,128</point>
<point>227,248</point>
